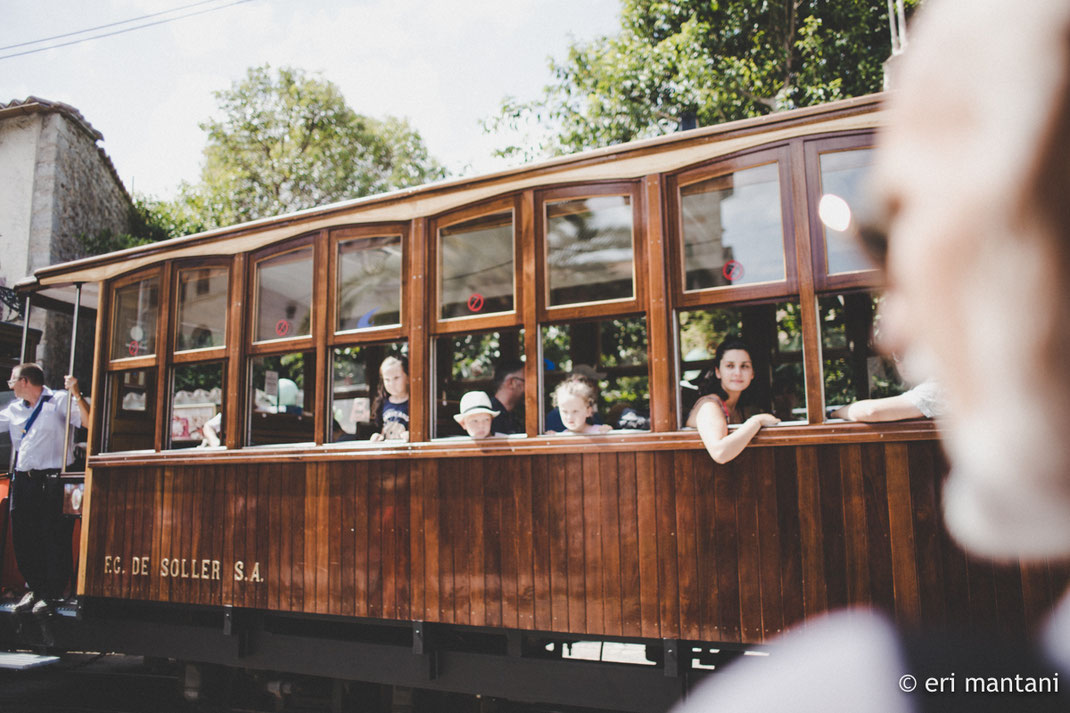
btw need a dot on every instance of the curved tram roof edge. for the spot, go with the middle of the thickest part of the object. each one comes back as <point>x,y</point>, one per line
<point>662,154</point>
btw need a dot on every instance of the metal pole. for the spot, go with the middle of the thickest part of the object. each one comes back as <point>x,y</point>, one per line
<point>70,370</point>
<point>25,329</point>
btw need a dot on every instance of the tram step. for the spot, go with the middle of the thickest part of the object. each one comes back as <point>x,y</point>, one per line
<point>21,662</point>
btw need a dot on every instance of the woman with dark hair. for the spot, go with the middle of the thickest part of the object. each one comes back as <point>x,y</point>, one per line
<point>726,390</point>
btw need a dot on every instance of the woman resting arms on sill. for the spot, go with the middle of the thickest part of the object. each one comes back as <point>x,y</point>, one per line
<point>724,395</point>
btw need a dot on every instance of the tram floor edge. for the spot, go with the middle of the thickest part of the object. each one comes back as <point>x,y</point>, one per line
<point>522,666</point>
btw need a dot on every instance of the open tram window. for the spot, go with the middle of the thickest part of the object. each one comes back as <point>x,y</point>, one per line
<point>131,414</point>
<point>611,355</point>
<point>732,229</point>
<point>772,331</point>
<point>197,405</point>
<point>284,295</point>
<point>590,251</point>
<point>491,362</point>
<point>135,312</point>
<point>476,266</point>
<point>368,290</point>
<point>202,305</point>
<point>355,389</point>
<point>281,396</point>
<point>853,369</point>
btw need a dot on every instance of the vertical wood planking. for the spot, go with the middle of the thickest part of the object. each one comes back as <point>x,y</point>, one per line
<point>493,490</point>
<point>646,507</point>
<point>527,546</point>
<point>811,532</point>
<point>854,525</point>
<point>388,533</point>
<point>335,541</point>
<point>708,529</point>
<point>788,518</point>
<point>557,526</point>
<point>449,517</point>
<point>687,564</point>
<point>574,536</point>
<point>544,574</point>
<point>726,554</point>
<point>403,552</point>
<point>361,485</point>
<point>743,470</point>
<point>509,481</point>
<point>594,563</point>
<point>473,545</point>
<point>769,535</point>
<point>374,526</point>
<point>432,529</point>
<point>416,526</point>
<point>901,535</point>
<point>627,488</point>
<point>349,524</point>
<point>665,508</point>
<point>875,484</point>
<point>608,473</point>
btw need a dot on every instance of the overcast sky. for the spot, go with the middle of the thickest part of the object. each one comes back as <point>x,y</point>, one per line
<point>443,64</point>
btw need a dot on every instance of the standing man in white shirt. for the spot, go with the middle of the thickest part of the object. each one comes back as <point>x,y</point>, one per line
<point>37,422</point>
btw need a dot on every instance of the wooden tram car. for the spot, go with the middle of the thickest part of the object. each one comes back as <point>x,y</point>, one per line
<point>443,563</point>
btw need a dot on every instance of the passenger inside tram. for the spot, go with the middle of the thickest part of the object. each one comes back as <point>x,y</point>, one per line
<point>476,415</point>
<point>575,399</point>
<point>391,407</point>
<point>583,371</point>
<point>725,399</point>
<point>508,395</point>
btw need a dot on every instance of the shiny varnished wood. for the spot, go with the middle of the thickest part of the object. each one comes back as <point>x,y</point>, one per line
<point>656,544</point>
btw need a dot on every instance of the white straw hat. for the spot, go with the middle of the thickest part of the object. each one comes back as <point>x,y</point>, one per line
<point>474,402</point>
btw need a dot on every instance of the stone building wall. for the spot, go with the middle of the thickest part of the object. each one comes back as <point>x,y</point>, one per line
<point>63,186</point>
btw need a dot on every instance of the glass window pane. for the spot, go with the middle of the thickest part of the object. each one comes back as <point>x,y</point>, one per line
<point>356,389</point>
<point>476,266</point>
<point>843,174</point>
<point>773,332</point>
<point>283,392</point>
<point>131,415</point>
<point>589,253</point>
<point>369,283</point>
<point>284,296</point>
<point>490,362</point>
<point>611,355</point>
<point>134,316</point>
<point>853,368</point>
<point>202,308</point>
<point>197,399</point>
<point>732,229</point>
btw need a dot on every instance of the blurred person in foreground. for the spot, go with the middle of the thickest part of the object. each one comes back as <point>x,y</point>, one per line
<point>971,179</point>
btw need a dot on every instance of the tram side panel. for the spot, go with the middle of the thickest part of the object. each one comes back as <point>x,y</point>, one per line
<point>661,544</point>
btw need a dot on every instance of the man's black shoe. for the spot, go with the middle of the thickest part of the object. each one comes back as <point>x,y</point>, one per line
<point>42,608</point>
<point>26,603</point>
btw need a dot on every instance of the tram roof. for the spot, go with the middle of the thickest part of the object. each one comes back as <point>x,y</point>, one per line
<point>54,285</point>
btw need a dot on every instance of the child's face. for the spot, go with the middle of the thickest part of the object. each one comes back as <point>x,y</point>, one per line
<point>395,380</point>
<point>478,424</point>
<point>574,411</point>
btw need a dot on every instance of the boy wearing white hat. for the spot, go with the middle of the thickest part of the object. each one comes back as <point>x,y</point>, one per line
<point>476,414</point>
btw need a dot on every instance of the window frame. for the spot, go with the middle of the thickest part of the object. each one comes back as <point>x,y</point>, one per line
<point>149,360</point>
<point>675,183</point>
<point>480,322</point>
<point>812,150</point>
<point>392,332</point>
<point>599,308</point>
<point>278,345</point>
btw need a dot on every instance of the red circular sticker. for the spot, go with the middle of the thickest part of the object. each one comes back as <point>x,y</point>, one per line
<point>133,347</point>
<point>282,327</point>
<point>475,302</point>
<point>732,270</point>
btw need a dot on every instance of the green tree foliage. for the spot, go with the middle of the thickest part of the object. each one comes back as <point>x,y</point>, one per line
<point>287,141</point>
<point>148,221</point>
<point>714,60</point>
